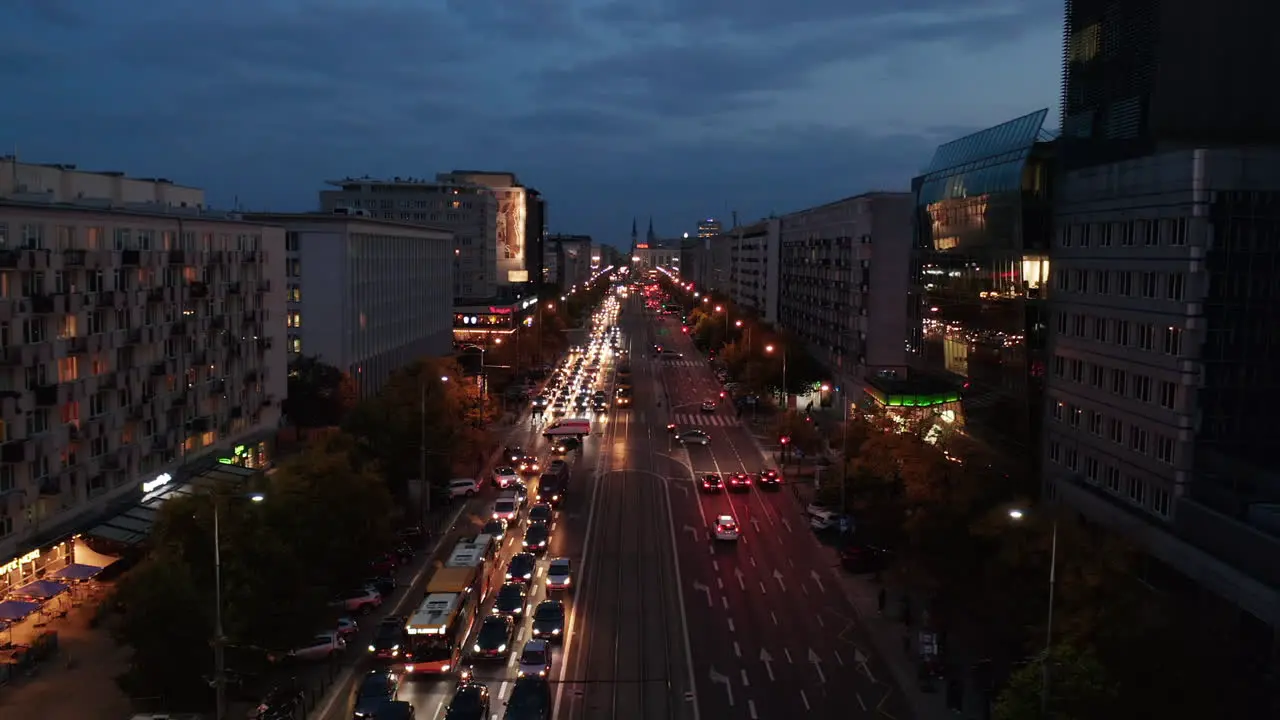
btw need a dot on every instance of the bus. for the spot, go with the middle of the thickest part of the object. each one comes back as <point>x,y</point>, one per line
<point>437,632</point>
<point>473,552</point>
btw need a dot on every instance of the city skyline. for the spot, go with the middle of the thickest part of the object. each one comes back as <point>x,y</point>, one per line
<point>252,103</point>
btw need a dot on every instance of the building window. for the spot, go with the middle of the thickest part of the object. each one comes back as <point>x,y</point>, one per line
<point>1175,231</point>
<point>1119,381</point>
<point>1173,341</point>
<point>1057,411</point>
<point>1077,370</point>
<point>1124,283</point>
<point>1120,334</point>
<point>1168,394</point>
<point>1071,459</point>
<point>1160,502</point>
<point>1054,450</point>
<point>1138,440</point>
<point>1058,366</point>
<point>1164,449</point>
<point>1142,388</point>
<point>1103,282</point>
<point>295,319</point>
<point>1096,376</point>
<point>1175,286</point>
<point>1112,477</point>
<point>1095,422</point>
<point>1091,469</point>
<point>1150,285</point>
<point>1137,490</point>
<point>1115,431</point>
<point>1146,336</point>
<point>295,345</point>
<point>1076,414</point>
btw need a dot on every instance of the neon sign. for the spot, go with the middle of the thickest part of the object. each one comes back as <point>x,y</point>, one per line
<point>160,481</point>
<point>15,563</point>
<point>499,311</point>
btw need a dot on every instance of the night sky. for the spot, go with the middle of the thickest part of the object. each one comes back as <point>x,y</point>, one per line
<point>675,108</point>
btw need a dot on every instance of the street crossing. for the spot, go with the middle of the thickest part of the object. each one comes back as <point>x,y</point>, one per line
<point>684,363</point>
<point>704,419</point>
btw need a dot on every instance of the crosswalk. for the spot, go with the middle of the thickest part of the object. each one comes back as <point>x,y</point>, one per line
<point>684,363</point>
<point>704,419</point>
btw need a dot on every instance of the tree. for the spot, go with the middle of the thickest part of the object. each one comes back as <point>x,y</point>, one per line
<point>800,431</point>
<point>1079,688</point>
<point>319,394</point>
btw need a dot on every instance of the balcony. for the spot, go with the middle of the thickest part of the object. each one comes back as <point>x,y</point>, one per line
<point>218,387</point>
<point>236,413</point>
<point>9,259</point>
<point>199,425</point>
<point>45,395</point>
<point>157,295</point>
<point>264,343</point>
<point>106,299</point>
<point>109,462</point>
<point>248,256</point>
<point>42,304</point>
<point>78,345</point>
<point>177,257</point>
<point>159,369</point>
<point>178,329</point>
<point>14,451</point>
<point>135,336</point>
<point>51,486</point>
<point>199,289</point>
<point>218,323</point>
<point>233,288</point>
<point>251,376</point>
<point>73,258</point>
<point>108,381</point>
<point>178,401</point>
<point>130,258</point>
<point>11,357</point>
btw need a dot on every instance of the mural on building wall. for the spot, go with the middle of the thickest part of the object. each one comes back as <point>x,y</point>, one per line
<point>511,219</point>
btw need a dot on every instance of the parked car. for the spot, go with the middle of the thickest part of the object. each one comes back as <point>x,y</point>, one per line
<point>322,646</point>
<point>384,584</point>
<point>347,627</point>
<point>361,600</point>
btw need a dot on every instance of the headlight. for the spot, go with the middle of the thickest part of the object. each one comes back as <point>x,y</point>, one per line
<point>373,649</point>
<point>555,631</point>
<point>527,575</point>
<point>477,647</point>
<point>502,647</point>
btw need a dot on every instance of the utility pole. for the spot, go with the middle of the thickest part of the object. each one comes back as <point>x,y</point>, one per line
<point>424,495</point>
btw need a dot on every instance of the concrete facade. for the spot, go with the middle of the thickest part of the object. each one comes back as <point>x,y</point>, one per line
<point>130,343</point>
<point>366,296</point>
<point>753,267</point>
<point>62,183</point>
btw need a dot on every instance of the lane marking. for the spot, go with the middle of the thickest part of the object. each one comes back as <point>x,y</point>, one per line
<point>775,617</point>
<point>751,710</point>
<point>788,654</point>
<point>752,559</point>
<point>730,621</point>
<point>502,690</point>
<point>719,584</point>
<point>684,618</point>
<point>839,659</point>
<point>725,602</point>
<point>860,702</point>
<point>737,649</point>
<point>716,564</point>
<point>745,681</point>
<point>820,623</point>
<point>805,699</point>
<point>763,591</point>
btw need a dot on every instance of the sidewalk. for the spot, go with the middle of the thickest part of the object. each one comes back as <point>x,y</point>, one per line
<point>897,642</point>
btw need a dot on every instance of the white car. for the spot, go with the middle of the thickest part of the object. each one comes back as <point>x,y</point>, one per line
<point>535,659</point>
<point>505,476</point>
<point>559,575</point>
<point>322,646</point>
<point>361,600</point>
<point>463,487</point>
<point>725,528</point>
<point>505,509</point>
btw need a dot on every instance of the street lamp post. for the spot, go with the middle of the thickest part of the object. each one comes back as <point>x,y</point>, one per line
<point>783,352</point>
<point>1048,625</point>
<point>219,637</point>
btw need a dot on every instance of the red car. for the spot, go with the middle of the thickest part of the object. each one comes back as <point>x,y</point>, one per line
<point>739,482</point>
<point>770,479</point>
<point>711,483</point>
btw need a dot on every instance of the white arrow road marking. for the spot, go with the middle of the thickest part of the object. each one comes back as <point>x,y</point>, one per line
<point>752,559</point>
<point>741,583</point>
<point>787,524</point>
<point>703,589</point>
<point>777,575</point>
<point>839,660</point>
<point>805,699</point>
<point>693,531</point>
<point>814,574</point>
<point>860,659</point>
<point>767,659</point>
<point>817,666</point>
<point>755,524</point>
<point>751,710</point>
<point>723,680</point>
<point>719,583</point>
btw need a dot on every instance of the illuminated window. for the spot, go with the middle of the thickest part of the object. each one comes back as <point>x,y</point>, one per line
<point>295,345</point>
<point>295,319</point>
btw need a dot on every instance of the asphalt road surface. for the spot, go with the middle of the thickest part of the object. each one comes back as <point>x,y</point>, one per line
<point>772,636</point>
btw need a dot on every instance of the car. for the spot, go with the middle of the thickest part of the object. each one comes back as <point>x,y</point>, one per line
<point>505,475</point>
<point>512,453</point>
<point>673,428</point>
<point>536,538</point>
<point>463,487</point>
<point>521,567</point>
<point>361,600</point>
<point>725,528</point>
<point>711,483</point>
<point>321,646</point>
<point>559,575</point>
<point>376,689</point>
<point>346,627</point>
<point>469,702</point>
<point>535,659</point>
<point>564,445</point>
<point>388,638</point>
<point>505,508</point>
<point>541,513</point>
<point>529,465</point>
<point>693,437</point>
<point>540,401</point>
<point>494,638</point>
<point>709,406</point>
<point>509,600</point>
<point>530,700</point>
<point>384,584</point>
<point>769,478</point>
<point>548,620</point>
<point>495,528</point>
<point>558,467</point>
<point>739,482</point>
<point>864,559</point>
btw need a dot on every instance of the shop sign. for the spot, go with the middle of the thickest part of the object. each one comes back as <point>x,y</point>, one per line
<point>160,481</point>
<point>500,310</point>
<point>15,563</point>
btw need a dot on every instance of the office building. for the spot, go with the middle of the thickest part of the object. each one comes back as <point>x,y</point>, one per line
<point>981,243</point>
<point>570,260</point>
<point>519,231</point>
<point>1145,76</point>
<point>843,275</point>
<point>63,183</point>
<point>366,296</point>
<point>136,350</point>
<point>468,210</point>
<point>753,268</point>
<point>709,227</point>
<point>695,260</point>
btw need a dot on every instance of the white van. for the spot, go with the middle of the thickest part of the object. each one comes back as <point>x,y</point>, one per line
<point>823,518</point>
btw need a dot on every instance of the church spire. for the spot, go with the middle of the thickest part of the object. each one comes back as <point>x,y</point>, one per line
<point>650,236</point>
<point>633,232</point>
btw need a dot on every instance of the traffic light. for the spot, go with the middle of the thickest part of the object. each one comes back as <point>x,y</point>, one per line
<point>684,329</point>
<point>785,439</point>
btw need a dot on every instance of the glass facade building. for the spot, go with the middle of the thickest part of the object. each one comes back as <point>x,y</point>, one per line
<point>980,263</point>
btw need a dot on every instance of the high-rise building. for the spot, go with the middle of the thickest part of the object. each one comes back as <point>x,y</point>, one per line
<point>469,210</point>
<point>570,259</point>
<point>366,296</point>
<point>138,350</point>
<point>844,269</point>
<point>1141,76</point>
<point>753,267</point>
<point>709,227</point>
<point>519,223</point>
<point>982,226</point>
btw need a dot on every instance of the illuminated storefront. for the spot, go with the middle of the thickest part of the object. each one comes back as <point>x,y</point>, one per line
<point>485,324</point>
<point>248,455</point>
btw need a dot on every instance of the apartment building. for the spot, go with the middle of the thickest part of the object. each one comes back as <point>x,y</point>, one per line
<point>753,267</point>
<point>366,296</point>
<point>520,221</point>
<point>64,183</point>
<point>134,346</point>
<point>842,279</point>
<point>470,211</point>
<point>569,258</point>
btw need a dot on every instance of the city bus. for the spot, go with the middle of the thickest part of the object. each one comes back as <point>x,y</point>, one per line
<point>437,632</point>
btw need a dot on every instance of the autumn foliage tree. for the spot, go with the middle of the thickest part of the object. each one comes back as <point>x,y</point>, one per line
<point>319,394</point>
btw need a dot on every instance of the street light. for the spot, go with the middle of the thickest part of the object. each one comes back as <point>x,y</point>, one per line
<point>1018,514</point>
<point>219,638</point>
<point>769,349</point>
